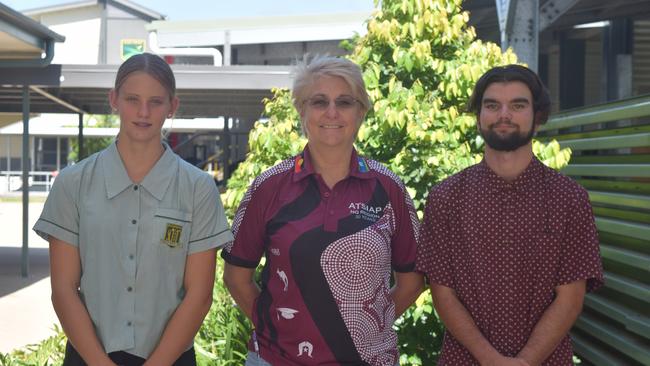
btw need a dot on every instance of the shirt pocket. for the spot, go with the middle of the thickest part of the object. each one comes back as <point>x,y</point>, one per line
<point>172,235</point>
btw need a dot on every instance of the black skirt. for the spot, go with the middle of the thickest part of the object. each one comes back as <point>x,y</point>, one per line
<point>121,358</point>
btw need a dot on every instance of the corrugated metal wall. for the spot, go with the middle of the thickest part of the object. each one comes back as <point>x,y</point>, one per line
<point>612,161</point>
<point>641,62</point>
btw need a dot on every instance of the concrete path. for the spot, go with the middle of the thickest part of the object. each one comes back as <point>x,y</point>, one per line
<point>26,313</point>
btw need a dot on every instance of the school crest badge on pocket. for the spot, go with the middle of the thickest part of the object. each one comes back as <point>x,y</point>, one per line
<point>172,235</point>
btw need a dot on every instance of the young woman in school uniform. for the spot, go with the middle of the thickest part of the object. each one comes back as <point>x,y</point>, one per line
<point>133,231</point>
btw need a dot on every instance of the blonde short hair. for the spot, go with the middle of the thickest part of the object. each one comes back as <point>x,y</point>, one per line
<point>305,73</point>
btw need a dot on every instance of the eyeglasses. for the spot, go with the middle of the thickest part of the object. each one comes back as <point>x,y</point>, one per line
<point>343,103</point>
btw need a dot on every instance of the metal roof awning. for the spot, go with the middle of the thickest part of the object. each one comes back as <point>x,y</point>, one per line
<point>125,5</point>
<point>204,91</point>
<point>23,41</point>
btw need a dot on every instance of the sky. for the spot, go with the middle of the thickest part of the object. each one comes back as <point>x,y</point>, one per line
<point>214,9</point>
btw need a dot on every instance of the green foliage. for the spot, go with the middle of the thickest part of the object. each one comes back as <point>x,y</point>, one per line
<point>221,341</point>
<point>420,333</point>
<point>576,360</point>
<point>551,154</point>
<point>48,352</point>
<point>420,61</point>
<point>93,145</point>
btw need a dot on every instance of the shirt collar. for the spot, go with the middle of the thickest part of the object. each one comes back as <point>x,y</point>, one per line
<point>115,176</point>
<point>359,166</point>
<point>155,182</point>
<point>303,167</point>
<point>531,175</point>
<point>159,177</point>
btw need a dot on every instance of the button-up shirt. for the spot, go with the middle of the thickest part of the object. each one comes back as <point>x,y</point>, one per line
<point>504,247</point>
<point>133,240</point>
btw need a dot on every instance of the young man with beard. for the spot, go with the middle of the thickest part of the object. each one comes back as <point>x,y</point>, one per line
<point>508,245</point>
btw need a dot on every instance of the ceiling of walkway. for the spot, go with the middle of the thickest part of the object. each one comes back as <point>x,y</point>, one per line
<point>483,13</point>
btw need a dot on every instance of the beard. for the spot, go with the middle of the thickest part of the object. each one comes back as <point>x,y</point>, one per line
<point>509,142</point>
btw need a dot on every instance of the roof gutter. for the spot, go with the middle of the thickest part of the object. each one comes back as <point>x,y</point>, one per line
<point>31,32</point>
<point>46,58</point>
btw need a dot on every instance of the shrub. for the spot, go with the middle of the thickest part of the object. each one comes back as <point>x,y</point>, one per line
<point>48,352</point>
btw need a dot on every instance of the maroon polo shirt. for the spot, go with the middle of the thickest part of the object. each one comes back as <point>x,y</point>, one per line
<point>504,247</point>
<point>325,296</point>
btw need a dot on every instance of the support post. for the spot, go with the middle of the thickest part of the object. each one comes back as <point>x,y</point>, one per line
<point>80,138</point>
<point>226,148</point>
<point>520,30</point>
<point>58,153</point>
<point>24,268</point>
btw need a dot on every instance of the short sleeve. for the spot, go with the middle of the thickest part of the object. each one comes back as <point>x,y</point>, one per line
<point>249,229</point>
<point>434,255</point>
<point>404,243</point>
<point>580,255</point>
<point>60,216</point>
<point>209,224</point>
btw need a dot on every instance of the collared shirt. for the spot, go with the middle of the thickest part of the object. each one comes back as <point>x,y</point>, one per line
<point>133,240</point>
<point>504,247</point>
<point>329,258</point>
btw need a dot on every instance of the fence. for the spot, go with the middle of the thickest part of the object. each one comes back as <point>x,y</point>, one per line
<point>12,181</point>
<point>611,159</point>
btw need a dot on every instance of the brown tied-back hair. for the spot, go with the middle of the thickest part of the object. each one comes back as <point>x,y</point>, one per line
<point>151,64</point>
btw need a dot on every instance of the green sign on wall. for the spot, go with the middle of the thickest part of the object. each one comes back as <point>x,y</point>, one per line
<point>130,47</point>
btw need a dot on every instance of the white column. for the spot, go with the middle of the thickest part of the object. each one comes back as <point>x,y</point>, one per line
<point>226,48</point>
<point>8,138</point>
<point>31,153</point>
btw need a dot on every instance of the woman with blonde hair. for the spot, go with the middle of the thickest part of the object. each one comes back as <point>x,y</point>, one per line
<point>335,229</point>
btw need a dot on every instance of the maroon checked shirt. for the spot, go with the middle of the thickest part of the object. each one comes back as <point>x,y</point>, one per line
<point>330,254</point>
<point>504,247</point>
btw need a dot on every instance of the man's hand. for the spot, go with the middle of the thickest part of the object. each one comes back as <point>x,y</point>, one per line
<point>506,361</point>
<point>555,322</point>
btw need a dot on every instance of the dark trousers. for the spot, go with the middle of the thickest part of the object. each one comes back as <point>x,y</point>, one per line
<point>72,358</point>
